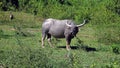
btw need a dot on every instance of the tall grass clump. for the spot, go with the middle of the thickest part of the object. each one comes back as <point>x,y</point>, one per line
<point>24,57</point>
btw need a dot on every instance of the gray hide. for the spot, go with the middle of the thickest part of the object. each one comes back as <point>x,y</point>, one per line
<point>59,29</point>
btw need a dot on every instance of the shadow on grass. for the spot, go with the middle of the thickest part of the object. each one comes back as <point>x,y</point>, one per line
<point>80,45</point>
<point>86,48</point>
<point>72,47</point>
<point>24,34</point>
<point>6,36</point>
<point>20,35</point>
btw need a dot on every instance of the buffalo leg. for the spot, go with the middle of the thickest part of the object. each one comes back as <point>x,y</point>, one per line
<point>49,40</point>
<point>68,41</point>
<point>43,38</point>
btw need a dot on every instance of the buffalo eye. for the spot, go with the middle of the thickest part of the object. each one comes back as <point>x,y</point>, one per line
<point>75,30</point>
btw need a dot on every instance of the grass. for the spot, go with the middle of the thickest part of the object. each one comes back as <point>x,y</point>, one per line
<point>20,46</point>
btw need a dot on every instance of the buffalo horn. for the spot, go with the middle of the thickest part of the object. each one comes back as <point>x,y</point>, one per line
<point>68,25</point>
<point>81,24</point>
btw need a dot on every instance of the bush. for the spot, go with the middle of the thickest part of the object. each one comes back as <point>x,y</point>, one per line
<point>116,49</point>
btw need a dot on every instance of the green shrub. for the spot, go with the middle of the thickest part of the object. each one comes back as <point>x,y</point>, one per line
<point>116,48</point>
<point>1,32</point>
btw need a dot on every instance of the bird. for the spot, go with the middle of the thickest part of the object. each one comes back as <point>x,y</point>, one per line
<point>11,16</point>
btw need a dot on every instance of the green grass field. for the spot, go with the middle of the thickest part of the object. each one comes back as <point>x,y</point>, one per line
<point>20,46</point>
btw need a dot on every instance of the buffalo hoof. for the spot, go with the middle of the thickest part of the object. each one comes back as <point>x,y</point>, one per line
<point>43,47</point>
<point>68,48</point>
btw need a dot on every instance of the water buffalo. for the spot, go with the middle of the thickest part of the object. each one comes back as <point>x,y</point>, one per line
<point>59,29</point>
